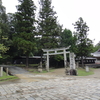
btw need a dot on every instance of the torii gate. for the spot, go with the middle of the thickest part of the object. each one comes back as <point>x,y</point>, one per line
<point>56,52</point>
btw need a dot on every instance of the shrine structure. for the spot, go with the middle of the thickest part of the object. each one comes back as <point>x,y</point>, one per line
<point>57,51</point>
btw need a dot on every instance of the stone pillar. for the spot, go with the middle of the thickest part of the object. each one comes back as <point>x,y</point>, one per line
<point>77,64</point>
<point>87,69</point>
<point>72,61</point>
<point>73,70</point>
<point>47,65</point>
<point>65,59</point>
<point>7,71</point>
<point>1,71</point>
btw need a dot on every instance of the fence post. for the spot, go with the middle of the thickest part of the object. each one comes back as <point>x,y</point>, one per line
<point>6,71</point>
<point>1,71</point>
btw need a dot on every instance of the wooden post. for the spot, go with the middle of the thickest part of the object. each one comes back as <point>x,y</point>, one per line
<point>6,71</point>
<point>47,65</point>
<point>1,71</point>
<point>77,64</point>
<point>65,59</point>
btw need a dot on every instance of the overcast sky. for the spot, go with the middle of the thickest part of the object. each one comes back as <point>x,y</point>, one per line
<point>68,12</point>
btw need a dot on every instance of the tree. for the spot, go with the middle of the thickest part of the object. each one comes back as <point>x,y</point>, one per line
<point>84,44</point>
<point>96,47</point>
<point>67,39</point>
<point>3,25</point>
<point>3,48</point>
<point>49,28</point>
<point>13,50</point>
<point>4,29</point>
<point>25,29</point>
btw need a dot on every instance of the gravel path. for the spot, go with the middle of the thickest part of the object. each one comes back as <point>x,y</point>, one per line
<point>52,86</point>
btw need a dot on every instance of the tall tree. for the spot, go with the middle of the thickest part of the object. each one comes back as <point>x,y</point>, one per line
<point>84,44</point>
<point>13,50</point>
<point>49,28</point>
<point>3,24</point>
<point>67,39</point>
<point>24,38</point>
<point>4,29</point>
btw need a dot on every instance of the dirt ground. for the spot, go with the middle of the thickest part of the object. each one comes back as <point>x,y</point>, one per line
<point>50,75</point>
<point>57,72</point>
<point>61,72</point>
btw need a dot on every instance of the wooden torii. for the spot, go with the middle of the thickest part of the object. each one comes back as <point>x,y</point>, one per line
<point>56,51</point>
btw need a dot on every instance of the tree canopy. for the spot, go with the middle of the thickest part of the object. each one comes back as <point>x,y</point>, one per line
<point>84,44</point>
<point>67,39</point>
<point>49,28</point>
<point>22,34</point>
<point>25,27</point>
<point>4,42</point>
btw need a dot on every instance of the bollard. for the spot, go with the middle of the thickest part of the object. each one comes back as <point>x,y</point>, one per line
<point>1,71</point>
<point>6,71</point>
<point>87,69</point>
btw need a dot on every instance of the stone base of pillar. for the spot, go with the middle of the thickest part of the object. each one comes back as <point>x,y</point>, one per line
<point>73,72</point>
<point>40,70</point>
<point>67,72</point>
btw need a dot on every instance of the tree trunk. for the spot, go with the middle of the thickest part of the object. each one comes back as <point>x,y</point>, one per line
<point>27,64</point>
<point>41,56</point>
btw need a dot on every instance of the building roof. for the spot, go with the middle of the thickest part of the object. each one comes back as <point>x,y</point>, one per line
<point>96,54</point>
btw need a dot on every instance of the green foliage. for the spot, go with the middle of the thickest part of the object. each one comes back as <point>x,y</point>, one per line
<point>3,48</point>
<point>96,47</point>
<point>3,25</point>
<point>48,27</point>
<point>12,23</point>
<point>25,28</point>
<point>24,38</point>
<point>84,45</point>
<point>4,30</point>
<point>67,39</point>
<point>58,57</point>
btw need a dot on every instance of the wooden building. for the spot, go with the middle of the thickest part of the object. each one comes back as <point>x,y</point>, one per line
<point>97,56</point>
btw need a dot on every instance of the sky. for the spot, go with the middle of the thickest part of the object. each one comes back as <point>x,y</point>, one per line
<point>69,11</point>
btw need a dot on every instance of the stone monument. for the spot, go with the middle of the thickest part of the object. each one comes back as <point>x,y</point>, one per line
<point>72,64</point>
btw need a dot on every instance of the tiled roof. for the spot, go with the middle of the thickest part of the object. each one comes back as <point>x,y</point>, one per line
<point>97,53</point>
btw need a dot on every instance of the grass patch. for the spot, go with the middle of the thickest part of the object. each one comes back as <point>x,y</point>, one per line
<point>5,78</point>
<point>44,71</point>
<point>82,72</point>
